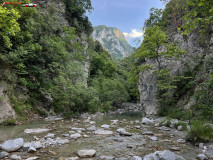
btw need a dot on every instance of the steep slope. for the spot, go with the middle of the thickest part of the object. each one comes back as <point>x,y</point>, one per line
<point>113,40</point>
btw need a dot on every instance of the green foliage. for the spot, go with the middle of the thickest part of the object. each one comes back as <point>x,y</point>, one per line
<point>154,18</point>
<point>9,122</point>
<point>200,131</point>
<point>198,13</point>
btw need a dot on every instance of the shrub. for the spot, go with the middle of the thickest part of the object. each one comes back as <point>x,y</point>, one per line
<point>9,122</point>
<point>200,131</point>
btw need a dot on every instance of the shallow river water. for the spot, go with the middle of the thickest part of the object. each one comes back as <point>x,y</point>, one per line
<point>111,145</point>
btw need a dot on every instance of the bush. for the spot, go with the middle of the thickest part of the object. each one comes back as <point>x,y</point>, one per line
<point>200,131</point>
<point>9,122</point>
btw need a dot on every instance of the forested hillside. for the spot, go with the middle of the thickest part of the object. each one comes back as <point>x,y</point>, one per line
<point>49,63</point>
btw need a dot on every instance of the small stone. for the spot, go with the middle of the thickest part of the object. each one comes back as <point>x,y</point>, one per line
<point>148,133</point>
<point>15,157</point>
<point>92,122</point>
<point>135,158</point>
<point>175,148</point>
<point>32,158</point>
<point>62,141</point>
<point>65,135</point>
<point>103,132</point>
<point>3,154</point>
<point>31,150</point>
<point>105,126</point>
<point>153,138</point>
<point>72,132</point>
<point>103,157</point>
<point>202,157</point>
<point>147,121</point>
<point>123,132</point>
<point>36,130</point>
<point>181,141</point>
<point>137,127</point>
<point>75,136</point>
<point>86,153</point>
<point>50,135</point>
<point>137,122</point>
<point>180,128</point>
<point>201,145</point>
<point>92,128</point>
<point>78,129</point>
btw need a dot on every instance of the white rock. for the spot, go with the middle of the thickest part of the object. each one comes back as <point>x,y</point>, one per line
<point>31,150</point>
<point>75,136</point>
<point>92,122</point>
<point>105,126</point>
<point>62,141</point>
<point>50,135</point>
<point>147,121</point>
<point>202,157</point>
<point>103,132</point>
<point>15,157</point>
<point>86,153</point>
<point>3,154</point>
<point>181,141</point>
<point>36,130</point>
<point>123,132</point>
<point>32,158</point>
<point>92,128</point>
<point>12,145</point>
<point>153,138</point>
<point>78,129</point>
<point>135,158</point>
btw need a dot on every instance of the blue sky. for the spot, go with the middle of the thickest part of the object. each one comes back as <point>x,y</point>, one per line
<point>126,15</point>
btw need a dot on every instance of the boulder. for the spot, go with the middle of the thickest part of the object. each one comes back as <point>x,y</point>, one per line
<point>103,132</point>
<point>163,155</point>
<point>86,153</point>
<point>147,121</point>
<point>202,157</point>
<point>12,145</point>
<point>75,136</point>
<point>36,130</point>
<point>32,158</point>
<point>123,132</point>
<point>3,154</point>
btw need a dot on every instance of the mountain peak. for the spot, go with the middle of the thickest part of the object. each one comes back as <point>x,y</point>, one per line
<point>113,40</point>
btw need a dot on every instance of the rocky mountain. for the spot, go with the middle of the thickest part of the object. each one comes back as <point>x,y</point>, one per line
<point>113,40</point>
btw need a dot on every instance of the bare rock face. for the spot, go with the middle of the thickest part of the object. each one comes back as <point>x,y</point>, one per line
<point>6,110</point>
<point>147,80</point>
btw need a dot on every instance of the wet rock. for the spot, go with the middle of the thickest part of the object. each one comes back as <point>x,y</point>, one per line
<point>32,158</point>
<point>78,129</point>
<point>175,148</point>
<point>103,132</point>
<point>181,141</point>
<point>147,121</point>
<point>15,157</point>
<point>105,126</point>
<point>12,145</point>
<point>137,127</point>
<point>36,130</point>
<point>62,141</point>
<point>153,138</point>
<point>31,150</point>
<point>135,158</point>
<point>123,132</point>
<point>3,154</point>
<point>50,135</point>
<point>202,157</point>
<point>65,135</point>
<point>75,136</point>
<point>86,153</point>
<point>103,157</point>
<point>92,128</point>
<point>148,133</point>
<point>163,155</point>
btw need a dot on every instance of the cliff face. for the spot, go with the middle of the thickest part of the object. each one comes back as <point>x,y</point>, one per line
<point>197,57</point>
<point>113,40</point>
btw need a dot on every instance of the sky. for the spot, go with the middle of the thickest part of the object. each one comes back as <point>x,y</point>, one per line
<point>126,15</point>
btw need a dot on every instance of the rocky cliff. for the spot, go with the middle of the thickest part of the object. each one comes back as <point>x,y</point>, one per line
<point>113,40</point>
<point>198,59</point>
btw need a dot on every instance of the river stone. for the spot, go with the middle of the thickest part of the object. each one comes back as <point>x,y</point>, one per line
<point>36,130</point>
<point>92,122</point>
<point>65,135</point>
<point>137,122</point>
<point>175,148</point>
<point>78,129</point>
<point>202,157</point>
<point>148,133</point>
<point>31,150</point>
<point>50,135</point>
<point>86,153</point>
<point>75,136</point>
<point>135,158</point>
<point>181,141</point>
<point>103,132</point>
<point>105,126</point>
<point>123,132</point>
<point>36,145</point>
<point>3,154</point>
<point>163,155</point>
<point>62,141</point>
<point>114,122</point>
<point>137,127</point>
<point>12,145</point>
<point>103,157</point>
<point>15,157</point>
<point>92,128</point>
<point>153,138</point>
<point>32,158</point>
<point>147,121</point>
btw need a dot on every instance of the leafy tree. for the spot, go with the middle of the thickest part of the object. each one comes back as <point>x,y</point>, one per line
<point>154,18</point>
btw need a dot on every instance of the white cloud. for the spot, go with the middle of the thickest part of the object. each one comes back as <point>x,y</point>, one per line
<point>133,34</point>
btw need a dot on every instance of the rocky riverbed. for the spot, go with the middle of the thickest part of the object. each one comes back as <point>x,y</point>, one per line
<point>119,136</point>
